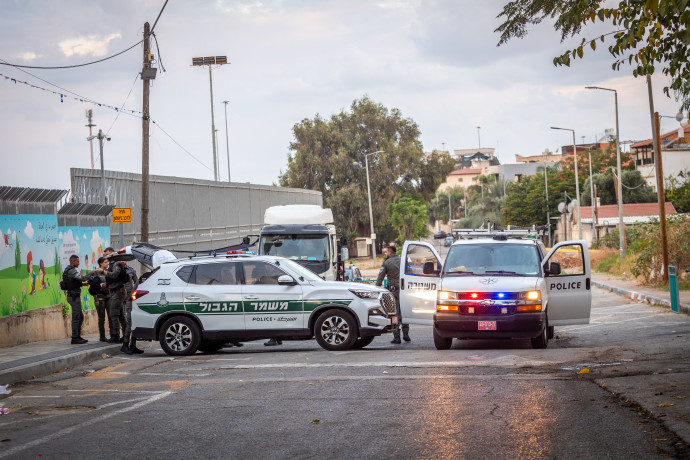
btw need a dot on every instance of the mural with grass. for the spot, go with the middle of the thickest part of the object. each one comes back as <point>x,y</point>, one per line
<point>33,252</point>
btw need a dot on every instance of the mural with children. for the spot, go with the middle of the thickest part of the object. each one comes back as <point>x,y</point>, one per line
<point>33,252</point>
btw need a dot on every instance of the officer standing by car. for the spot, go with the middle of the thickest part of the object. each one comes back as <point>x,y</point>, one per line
<point>72,283</point>
<point>116,277</point>
<point>129,343</point>
<point>391,269</point>
<point>102,298</point>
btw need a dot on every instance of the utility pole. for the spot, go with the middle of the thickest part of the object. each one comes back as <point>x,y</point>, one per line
<point>227,142</point>
<point>145,139</point>
<point>479,137</point>
<point>89,115</point>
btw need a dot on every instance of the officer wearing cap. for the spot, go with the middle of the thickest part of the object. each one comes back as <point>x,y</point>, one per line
<point>391,269</point>
<point>73,281</point>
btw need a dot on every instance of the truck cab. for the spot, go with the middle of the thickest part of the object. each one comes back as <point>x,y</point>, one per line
<point>495,287</point>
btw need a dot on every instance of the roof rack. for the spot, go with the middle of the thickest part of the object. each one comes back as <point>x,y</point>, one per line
<point>492,230</point>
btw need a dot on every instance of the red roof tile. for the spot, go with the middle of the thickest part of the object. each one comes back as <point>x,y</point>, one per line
<point>686,129</point>
<point>629,210</point>
<point>466,171</point>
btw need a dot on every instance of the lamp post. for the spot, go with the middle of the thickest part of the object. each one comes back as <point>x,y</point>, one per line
<point>371,215</point>
<point>101,136</point>
<point>595,237</point>
<point>227,143</point>
<point>546,192</point>
<point>621,230</point>
<point>210,62</point>
<point>577,181</point>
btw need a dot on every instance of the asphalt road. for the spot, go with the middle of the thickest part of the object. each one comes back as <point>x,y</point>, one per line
<point>481,399</point>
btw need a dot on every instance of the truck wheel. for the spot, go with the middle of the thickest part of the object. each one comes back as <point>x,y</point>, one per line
<point>551,332</point>
<point>362,342</point>
<point>210,347</point>
<point>180,336</point>
<point>442,343</point>
<point>335,330</point>
<point>542,340</point>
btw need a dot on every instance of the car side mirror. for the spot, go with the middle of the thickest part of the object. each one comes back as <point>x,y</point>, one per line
<point>286,280</point>
<point>429,268</point>
<point>344,254</point>
<point>554,269</point>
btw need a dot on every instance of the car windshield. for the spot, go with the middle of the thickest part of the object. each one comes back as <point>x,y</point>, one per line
<point>492,259</point>
<point>296,247</point>
<point>300,271</point>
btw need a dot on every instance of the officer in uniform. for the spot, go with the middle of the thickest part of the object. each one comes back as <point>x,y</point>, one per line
<point>391,269</point>
<point>102,299</point>
<point>73,281</point>
<point>115,279</point>
<point>129,344</point>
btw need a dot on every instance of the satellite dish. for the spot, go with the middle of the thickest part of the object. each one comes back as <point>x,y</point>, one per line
<point>679,116</point>
<point>561,207</point>
<point>572,205</point>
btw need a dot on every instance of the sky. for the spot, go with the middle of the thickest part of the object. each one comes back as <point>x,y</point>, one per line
<point>436,61</point>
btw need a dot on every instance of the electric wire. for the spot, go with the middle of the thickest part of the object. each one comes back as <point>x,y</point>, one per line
<point>180,145</point>
<point>19,66</point>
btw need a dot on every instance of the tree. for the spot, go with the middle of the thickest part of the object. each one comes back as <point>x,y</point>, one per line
<point>635,189</point>
<point>437,208</point>
<point>17,253</point>
<point>408,218</point>
<point>329,156</point>
<point>678,191</point>
<point>647,32</point>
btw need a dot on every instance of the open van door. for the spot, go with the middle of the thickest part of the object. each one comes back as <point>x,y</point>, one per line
<point>418,290</point>
<point>568,283</point>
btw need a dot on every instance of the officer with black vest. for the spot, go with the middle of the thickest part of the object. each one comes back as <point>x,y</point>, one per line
<point>129,344</point>
<point>72,282</point>
<point>115,279</point>
<point>391,269</point>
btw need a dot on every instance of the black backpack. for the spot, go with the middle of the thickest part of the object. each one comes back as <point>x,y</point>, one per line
<point>68,284</point>
<point>94,285</point>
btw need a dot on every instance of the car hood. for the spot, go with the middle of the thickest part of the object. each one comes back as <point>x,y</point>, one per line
<point>345,285</point>
<point>489,283</point>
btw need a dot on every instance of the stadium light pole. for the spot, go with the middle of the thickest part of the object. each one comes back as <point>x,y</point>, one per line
<point>621,229</point>
<point>227,142</point>
<point>577,181</point>
<point>371,215</point>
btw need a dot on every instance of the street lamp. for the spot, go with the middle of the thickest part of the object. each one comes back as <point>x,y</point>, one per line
<point>210,62</point>
<point>577,181</point>
<point>371,215</point>
<point>546,192</point>
<point>101,136</point>
<point>227,143</point>
<point>621,231</point>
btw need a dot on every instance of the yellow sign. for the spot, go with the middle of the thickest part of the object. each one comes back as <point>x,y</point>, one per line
<point>121,215</point>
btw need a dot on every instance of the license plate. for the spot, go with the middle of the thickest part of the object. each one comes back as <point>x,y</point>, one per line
<point>394,320</point>
<point>487,325</point>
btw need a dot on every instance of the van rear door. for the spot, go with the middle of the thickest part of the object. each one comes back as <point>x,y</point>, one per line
<point>570,292</point>
<point>418,291</point>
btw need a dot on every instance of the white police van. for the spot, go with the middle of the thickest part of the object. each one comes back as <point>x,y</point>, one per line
<point>495,287</point>
<point>201,303</point>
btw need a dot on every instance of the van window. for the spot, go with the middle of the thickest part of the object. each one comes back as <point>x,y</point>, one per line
<point>494,259</point>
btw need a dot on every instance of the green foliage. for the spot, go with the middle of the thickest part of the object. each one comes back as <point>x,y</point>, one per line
<point>438,207</point>
<point>647,32</point>
<point>329,155</point>
<point>608,263</point>
<point>678,191</point>
<point>635,189</point>
<point>649,261</point>
<point>57,269</point>
<point>408,218</point>
<point>17,254</point>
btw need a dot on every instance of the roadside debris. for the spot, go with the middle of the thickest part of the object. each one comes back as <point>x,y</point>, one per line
<point>4,390</point>
<point>4,411</point>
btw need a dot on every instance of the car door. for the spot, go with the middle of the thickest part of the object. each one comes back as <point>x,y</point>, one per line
<point>570,293</point>
<point>418,290</point>
<point>214,294</point>
<point>267,304</point>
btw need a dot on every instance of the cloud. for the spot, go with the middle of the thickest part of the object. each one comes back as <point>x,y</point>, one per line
<point>27,56</point>
<point>29,230</point>
<point>92,45</point>
<point>96,241</point>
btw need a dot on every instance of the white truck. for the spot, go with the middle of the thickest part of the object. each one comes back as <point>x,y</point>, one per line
<point>307,235</point>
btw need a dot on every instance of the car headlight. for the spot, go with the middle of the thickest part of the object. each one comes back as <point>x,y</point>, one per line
<point>365,293</point>
<point>447,295</point>
<point>376,311</point>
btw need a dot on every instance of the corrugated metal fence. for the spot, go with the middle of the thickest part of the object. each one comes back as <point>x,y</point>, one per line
<point>187,214</point>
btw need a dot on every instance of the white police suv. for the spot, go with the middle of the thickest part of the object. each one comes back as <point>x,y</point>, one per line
<point>203,302</point>
<point>495,287</point>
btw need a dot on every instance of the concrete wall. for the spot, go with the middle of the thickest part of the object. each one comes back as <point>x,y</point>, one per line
<point>42,324</point>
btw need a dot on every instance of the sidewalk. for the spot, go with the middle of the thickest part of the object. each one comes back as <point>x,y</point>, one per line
<point>640,293</point>
<point>36,359</point>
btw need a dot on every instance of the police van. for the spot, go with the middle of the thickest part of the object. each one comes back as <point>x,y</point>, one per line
<point>495,286</point>
<point>201,303</point>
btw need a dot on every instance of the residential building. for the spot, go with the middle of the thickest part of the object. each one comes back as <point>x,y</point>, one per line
<point>675,155</point>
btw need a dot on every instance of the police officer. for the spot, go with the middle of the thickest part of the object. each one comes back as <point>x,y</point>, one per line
<point>129,344</point>
<point>73,281</point>
<point>391,269</point>
<point>115,279</point>
<point>102,298</point>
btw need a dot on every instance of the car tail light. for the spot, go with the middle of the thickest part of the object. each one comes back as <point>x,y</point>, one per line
<point>138,293</point>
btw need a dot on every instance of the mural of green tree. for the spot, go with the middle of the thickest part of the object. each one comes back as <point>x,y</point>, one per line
<point>17,254</point>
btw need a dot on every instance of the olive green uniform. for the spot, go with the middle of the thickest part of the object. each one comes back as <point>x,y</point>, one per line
<point>391,269</point>
<point>130,286</point>
<point>116,277</point>
<point>101,300</point>
<point>74,282</point>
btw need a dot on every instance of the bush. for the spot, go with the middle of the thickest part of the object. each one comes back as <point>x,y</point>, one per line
<point>608,263</point>
<point>649,263</point>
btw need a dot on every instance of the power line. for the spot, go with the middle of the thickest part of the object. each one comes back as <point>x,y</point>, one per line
<point>180,146</point>
<point>18,66</point>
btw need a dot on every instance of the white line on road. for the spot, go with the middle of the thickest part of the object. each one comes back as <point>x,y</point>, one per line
<point>68,430</point>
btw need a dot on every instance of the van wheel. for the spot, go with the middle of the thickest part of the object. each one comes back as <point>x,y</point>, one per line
<point>180,336</point>
<point>442,343</point>
<point>551,332</point>
<point>210,347</point>
<point>362,342</point>
<point>542,340</point>
<point>335,330</point>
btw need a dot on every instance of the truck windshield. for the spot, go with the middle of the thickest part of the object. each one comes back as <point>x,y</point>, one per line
<point>492,259</point>
<point>312,248</point>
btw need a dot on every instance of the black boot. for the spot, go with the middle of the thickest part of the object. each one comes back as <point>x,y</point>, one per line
<point>133,347</point>
<point>103,339</point>
<point>125,349</point>
<point>406,336</point>
<point>114,339</point>
<point>273,342</point>
<point>396,338</point>
<point>78,341</point>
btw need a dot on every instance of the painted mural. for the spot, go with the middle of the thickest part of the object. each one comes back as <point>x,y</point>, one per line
<point>33,253</point>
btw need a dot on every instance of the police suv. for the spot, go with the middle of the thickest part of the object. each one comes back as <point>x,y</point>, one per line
<point>493,286</point>
<point>203,302</point>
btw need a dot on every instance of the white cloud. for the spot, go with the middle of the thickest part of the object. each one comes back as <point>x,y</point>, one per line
<point>29,230</point>
<point>96,241</point>
<point>92,45</point>
<point>27,56</point>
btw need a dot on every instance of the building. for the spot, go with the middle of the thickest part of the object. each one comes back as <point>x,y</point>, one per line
<point>475,158</point>
<point>461,178</point>
<point>675,155</point>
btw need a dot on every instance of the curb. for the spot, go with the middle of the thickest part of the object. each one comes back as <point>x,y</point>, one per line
<point>51,364</point>
<point>641,297</point>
